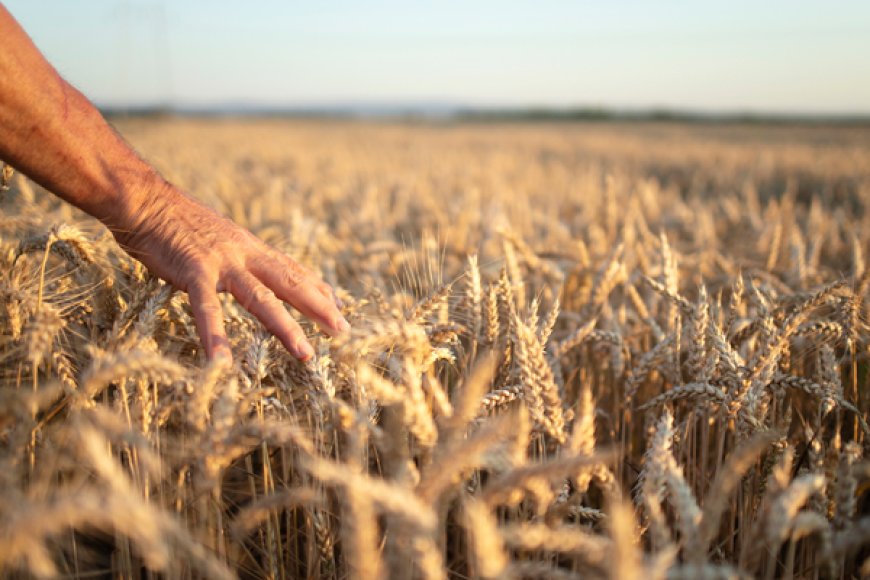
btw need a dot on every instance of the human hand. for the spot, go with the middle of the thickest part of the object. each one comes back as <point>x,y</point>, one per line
<point>57,137</point>
<point>202,253</point>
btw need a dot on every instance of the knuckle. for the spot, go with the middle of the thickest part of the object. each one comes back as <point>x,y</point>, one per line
<point>201,282</point>
<point>200,269</point>
<point>235,235</point>
<point>211,308</point>
<point>262,295</point>
<point>292,276</point>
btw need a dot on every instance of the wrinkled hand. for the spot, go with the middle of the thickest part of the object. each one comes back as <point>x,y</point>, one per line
<point>198,251</point>
<point>55,135</point>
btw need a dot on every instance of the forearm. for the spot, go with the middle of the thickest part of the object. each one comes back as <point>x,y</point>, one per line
<point>51,132</point>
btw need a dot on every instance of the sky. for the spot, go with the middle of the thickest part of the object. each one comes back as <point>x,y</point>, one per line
<point>767,56</point>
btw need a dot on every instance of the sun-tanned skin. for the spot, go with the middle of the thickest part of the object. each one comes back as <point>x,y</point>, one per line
<point>52,133</point>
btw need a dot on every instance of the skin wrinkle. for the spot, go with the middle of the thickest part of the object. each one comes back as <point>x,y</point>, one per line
<point>118,177</point>
<point>260,294</point>
<point>152,224</point>
<point>292,277</point>
<point>291,273</point>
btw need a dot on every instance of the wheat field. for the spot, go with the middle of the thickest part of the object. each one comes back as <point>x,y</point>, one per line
<point>577,351</point>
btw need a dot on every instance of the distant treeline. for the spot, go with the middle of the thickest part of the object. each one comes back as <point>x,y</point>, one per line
<point>652,115</point>
<point>483,115</point>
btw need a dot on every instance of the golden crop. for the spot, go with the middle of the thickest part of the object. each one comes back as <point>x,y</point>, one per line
<point>578,351</point>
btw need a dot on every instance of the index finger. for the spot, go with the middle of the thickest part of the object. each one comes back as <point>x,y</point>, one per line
<point>257,299</point>
<point>293,284</point>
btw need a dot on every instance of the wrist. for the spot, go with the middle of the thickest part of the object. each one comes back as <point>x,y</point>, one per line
<point>141,206</point>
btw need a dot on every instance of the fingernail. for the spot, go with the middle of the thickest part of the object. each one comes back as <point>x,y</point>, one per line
<point>304,351</point>
<point>342,325</point>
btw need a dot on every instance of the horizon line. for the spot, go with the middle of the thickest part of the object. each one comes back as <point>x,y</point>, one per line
<point>450,110</point>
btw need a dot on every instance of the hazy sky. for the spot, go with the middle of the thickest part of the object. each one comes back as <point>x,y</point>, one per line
<point>763,55</point>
